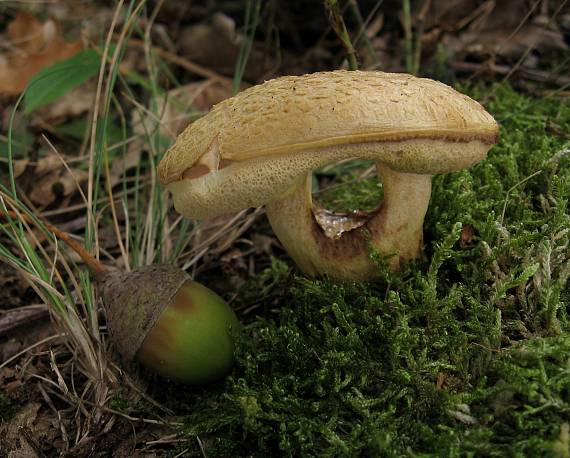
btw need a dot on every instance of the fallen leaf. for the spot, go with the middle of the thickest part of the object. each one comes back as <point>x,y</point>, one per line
<point>28,432</point>
<point>36,46</point>
<point>57,184</point>
<point>20,166</point>
<point>217,45</point>
<point>176,111</point>
<point>493,29</point>
<point>50,180</point>
<point>25,417</point>
<point>493,41</point>
<point>467,234</point>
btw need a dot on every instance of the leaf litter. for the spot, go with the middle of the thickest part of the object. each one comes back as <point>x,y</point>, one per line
<point>36,46</point>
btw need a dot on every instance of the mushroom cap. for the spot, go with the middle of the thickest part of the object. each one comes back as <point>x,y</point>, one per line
<point>252,148</point>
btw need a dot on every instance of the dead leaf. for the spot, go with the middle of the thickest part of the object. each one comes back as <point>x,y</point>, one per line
<point>467,234</point>
<point>181,106</point>
<point>28,433</point>
<point>176,111</point>
<point>449,13</point>
<point>263,244</point>
<point>20,166</point>
<point>36,46</point>
<point>217,46</point>
<point>498,41</point>
<point>50,180</point>
<point>488,30</point>
<point>122,164</point>
<point>8,349</point>
<point>46,165</point>
<point>11,431</point>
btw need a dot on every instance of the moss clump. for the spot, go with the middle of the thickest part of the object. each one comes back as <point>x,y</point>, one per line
<point>464,354</point>
<point>348,186</point>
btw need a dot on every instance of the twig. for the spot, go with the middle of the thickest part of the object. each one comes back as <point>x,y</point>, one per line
<point>532,45</point>
<point>13,318</point>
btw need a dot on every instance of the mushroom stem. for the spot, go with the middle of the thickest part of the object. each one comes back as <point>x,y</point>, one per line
<point>393,228</point>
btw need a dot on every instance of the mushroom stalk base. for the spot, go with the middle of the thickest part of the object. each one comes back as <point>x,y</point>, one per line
<point>394,228</point>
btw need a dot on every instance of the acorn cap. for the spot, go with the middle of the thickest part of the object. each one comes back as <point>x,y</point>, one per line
<point>135,300</point>
<point>252,148</point>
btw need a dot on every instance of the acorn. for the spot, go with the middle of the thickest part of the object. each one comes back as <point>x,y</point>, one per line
<point>174,326</point>
<point>158,316</point>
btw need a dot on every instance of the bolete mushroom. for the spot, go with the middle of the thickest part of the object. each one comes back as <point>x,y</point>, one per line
<point>260,147</point>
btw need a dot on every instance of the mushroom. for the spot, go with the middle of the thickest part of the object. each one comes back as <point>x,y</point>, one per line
<point>260,147</point>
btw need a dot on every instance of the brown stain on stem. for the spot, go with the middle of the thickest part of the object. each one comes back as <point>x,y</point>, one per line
<point>351,243</point>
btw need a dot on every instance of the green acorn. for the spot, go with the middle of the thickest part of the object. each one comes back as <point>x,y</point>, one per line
<point>174,326</point>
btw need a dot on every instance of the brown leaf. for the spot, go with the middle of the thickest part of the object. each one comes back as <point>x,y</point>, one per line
<point>11,431</point>
<point>52,180</point>
<point>20,166</point>
<point>36,46</point>
<point>175,112</point>
<point>217,46</point>
<point>466,237</point>
<point>201,95</point>
<point>500,42</point>
<point>27,33</point>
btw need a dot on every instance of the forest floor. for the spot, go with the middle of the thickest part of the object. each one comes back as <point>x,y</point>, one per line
<point>465,352</point>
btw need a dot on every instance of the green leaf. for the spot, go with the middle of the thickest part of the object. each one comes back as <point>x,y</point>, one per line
<point>77,128</point>
<point>21,143</point>
<point>58,79</point>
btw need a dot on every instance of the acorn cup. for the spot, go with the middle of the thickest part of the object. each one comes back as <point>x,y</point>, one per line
<point>158,316</point>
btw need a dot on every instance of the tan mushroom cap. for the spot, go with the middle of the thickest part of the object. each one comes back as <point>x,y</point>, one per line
<point>252,148</point>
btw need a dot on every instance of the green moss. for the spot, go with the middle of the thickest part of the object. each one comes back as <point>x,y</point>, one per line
<point>348,187</point>
<point>464,354</point>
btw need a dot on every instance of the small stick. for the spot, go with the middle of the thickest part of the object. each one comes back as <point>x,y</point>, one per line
<point>14,318</point>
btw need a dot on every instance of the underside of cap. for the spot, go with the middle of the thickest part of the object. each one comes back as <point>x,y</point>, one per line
<point>256,182</point>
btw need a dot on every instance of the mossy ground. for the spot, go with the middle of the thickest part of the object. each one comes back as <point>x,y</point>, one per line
<point>466,353</point>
